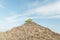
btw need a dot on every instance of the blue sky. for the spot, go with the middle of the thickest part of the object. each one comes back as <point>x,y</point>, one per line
<point>44,12</point>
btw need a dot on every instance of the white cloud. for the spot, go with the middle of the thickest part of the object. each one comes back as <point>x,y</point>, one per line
<point>54,17</point>
<point>46,10</point>
<point>1,6</point>
<point>50,11</point>
<point>11,19</point>
<point>2,3</point>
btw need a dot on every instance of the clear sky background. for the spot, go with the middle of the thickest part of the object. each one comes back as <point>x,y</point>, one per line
<point>44,12</point>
